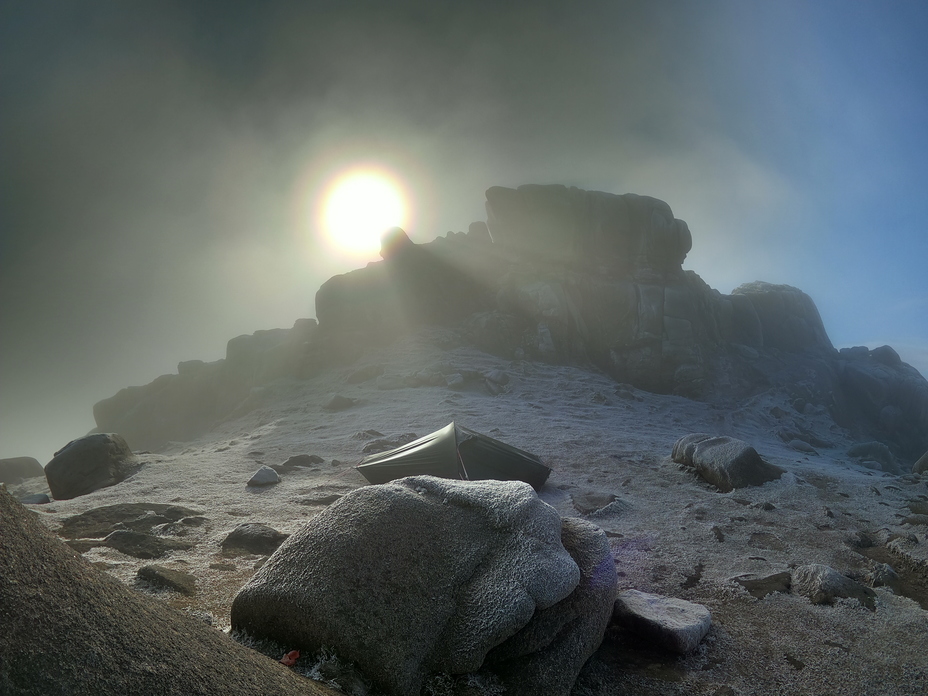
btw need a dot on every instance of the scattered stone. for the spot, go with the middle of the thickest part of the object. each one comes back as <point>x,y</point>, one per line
<point>673,624</point>
<point>143,545</point>
<point>252,537</point>
<point>367,435</point>
<point>167,578</point>
<point>319,500</point>
<point>14,469</point>
<point>724,462</point>
<point>422,608</point>
<point>88,464</point>
<point>823,585</point>
<point>384,444</point>
<point>916,520</point>
<point>339,403</point>
<point>455,381</point>
<point>304,460</point>
<point>265,476</point>
<point>35,499</point>
<point>498,377</point>
<point>881,575</point>
<point>761,587</point>
<point>84,545</point>
<point>590,501</point>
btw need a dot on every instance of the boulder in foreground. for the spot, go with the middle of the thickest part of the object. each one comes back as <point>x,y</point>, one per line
<point>723,461</point>
<point>411,578</point>
<point>87,464</point>
<point>69,628</point>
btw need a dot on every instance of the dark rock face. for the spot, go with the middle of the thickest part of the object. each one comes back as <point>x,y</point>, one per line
<point>14,469</point>
<point>88,464</point>
<point>470,564</point>
<point>69,628</point>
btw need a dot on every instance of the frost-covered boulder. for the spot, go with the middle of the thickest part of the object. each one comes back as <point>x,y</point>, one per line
<point>545,657</point>
<point>415,577</point>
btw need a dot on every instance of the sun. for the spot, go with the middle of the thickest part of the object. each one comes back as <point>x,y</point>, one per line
<point>359,206</point>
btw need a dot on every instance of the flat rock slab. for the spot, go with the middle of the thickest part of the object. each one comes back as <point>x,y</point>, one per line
<point>671,623</point>
<point>761,587</point>
<point>136,517</point>
<point>169,579</point>
<point>823,585</point>
<point>723,461</point>
<point>143,545</point>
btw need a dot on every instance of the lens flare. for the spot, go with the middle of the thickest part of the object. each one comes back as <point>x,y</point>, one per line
<point>359,205</point>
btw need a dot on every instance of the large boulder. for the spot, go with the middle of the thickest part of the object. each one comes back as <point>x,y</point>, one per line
<point>69,628</point>
<point>88,464</point>
<point>546,655</point>
<point>14,469</point>
<point>723,461</point>
<point>412,578</point>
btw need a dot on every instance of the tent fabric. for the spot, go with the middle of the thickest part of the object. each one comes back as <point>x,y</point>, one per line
<point>456,452</point>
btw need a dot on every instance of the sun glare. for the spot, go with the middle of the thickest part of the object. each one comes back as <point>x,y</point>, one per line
<point>359,206</point>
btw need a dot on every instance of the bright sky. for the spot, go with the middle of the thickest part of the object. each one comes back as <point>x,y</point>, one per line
<point>164,163</point>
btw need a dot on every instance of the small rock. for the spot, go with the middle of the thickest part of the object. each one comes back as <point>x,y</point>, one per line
<point>35,499</point>
<point>823,585</point>
<point>338,403</point>
<point>882,574</point>
<point>498,377</point>
<point>265,476</point>
<point>761,587</point>
<point>671,623</point>
<point>589,501</point>
<point>253,537</point>
<point>455,381</point>
<point>176,580</point>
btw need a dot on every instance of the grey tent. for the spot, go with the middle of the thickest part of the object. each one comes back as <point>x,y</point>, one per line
<point>457,453</point>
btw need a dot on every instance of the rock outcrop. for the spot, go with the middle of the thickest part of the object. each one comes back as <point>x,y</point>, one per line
<point>470,565</point>
<point>558,275</point>
<point>69,628</point>
<point>88,464</point>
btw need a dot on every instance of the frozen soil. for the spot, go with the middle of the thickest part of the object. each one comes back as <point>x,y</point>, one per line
<point>609,448</point>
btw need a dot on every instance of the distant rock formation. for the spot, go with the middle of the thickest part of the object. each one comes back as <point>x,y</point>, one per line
<point>559,275</point>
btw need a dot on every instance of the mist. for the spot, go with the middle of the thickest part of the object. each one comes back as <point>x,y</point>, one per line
<point>161,160</point>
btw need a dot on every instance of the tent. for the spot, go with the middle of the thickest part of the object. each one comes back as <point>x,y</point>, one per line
<point>457,453</point>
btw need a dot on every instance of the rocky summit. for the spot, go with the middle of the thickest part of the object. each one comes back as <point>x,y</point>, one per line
<point>563,276</point>
<point>732,505</point>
